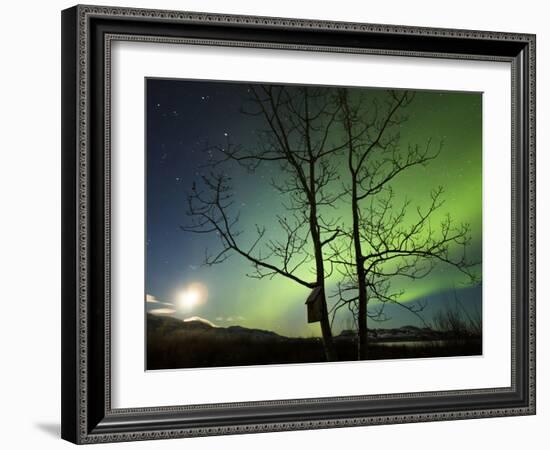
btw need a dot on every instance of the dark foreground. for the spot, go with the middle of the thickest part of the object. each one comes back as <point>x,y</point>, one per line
<point>173,344</point>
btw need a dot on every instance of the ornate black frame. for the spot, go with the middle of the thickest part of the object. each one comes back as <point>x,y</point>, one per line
<point>87,416</point>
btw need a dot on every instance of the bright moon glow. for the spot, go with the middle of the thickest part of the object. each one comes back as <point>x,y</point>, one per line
<point>192,296</point>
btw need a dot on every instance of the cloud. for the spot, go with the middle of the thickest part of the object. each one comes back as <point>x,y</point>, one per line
<point>157,307</point>
<point>152,299</point>
<point>163,311</point>
<point>200,319</point>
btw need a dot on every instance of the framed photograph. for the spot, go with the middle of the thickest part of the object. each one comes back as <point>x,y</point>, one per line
<point>281,224</point>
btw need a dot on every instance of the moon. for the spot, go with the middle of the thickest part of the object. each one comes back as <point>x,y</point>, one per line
<point>194,295</point>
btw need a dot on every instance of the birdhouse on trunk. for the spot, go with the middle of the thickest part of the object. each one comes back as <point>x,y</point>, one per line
<point>314,305</point>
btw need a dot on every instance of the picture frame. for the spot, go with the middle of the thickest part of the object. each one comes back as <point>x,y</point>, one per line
<point>88,415</point>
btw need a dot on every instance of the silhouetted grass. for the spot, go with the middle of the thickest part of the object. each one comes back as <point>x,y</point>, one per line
<point>427,349</point>
<point>198,349</point>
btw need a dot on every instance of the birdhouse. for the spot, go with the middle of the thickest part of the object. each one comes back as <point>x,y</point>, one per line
<point>314,305</point>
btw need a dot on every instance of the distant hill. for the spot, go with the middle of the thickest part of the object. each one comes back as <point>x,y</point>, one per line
<point>173,343</point>
<point>166,325</point>
<point>404,333</point>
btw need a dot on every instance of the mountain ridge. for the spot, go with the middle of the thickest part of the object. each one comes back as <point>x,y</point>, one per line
<point>167,325</point>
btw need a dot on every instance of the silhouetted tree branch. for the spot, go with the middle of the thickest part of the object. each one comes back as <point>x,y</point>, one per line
<point>209,213</point>
<point>385,241</point>
<point>300,138</point>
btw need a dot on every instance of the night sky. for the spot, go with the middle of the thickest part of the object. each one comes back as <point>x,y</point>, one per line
<point>185,117</point>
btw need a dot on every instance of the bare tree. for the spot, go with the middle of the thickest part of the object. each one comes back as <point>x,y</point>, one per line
<point>299,138</point>
<point>385,241</point>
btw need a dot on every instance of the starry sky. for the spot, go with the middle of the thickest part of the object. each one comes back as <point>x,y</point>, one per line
<point>186,117</point>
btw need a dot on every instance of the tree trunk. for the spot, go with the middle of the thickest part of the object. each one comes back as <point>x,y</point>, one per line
<point>360,270</point>
<point>328,342</point>
<point>326,331</point>
<point>362,316</point>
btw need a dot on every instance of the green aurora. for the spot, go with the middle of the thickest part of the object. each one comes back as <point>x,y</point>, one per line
<point>183,121</point>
